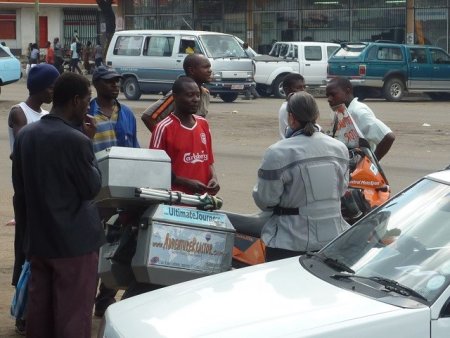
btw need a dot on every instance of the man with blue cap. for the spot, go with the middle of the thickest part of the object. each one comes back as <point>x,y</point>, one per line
<point>116,126</point>
<point>40,81</point>
<point>40,87</point>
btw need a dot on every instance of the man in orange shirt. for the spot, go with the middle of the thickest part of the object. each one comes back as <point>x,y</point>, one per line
<point>50,57</point>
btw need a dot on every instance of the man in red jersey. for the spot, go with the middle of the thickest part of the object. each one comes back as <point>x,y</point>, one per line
<point>186,138</point>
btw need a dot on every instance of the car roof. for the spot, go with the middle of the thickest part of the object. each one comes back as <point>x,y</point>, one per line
<point>168,32</point>
<point>308,42</point>
<point>382,43</point>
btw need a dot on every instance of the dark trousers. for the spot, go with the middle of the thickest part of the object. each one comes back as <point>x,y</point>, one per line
<point>59,61</point>
<point>274,254</point>
<point>98,62</point>
<point>104,298</point>
<point>61,296</point>
<point>74,65</point>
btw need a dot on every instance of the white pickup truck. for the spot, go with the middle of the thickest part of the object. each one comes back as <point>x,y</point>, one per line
<point>306,58</point>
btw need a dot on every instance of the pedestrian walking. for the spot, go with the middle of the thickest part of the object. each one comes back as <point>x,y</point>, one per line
<point>75,52</point>
<point>59,55</point>
<point>50,55</point>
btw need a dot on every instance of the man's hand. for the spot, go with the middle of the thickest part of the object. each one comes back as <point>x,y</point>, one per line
<point>89,126</point>
<point>213,187</point>
<point>195,186</point>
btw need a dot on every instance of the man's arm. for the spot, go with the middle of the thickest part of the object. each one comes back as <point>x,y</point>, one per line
<point>268,190</point>
<point>193,185</point>
<point>213,184</point>
<point>85,174</point>
<point>384,145</point>
<point>16,119</point>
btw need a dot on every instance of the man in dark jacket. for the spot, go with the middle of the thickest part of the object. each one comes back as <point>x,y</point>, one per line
<point>55,178</point>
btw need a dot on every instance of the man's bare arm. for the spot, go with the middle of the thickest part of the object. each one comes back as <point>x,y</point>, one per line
<point>16,119</point>
<point>384,146</point>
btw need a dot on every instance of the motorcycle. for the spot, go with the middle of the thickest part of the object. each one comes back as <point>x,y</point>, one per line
<point>134,252</point>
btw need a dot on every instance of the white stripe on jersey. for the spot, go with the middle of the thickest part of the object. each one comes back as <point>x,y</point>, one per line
<point>159,132</point>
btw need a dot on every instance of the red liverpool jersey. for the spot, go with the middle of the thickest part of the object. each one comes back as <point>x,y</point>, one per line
<point>189,149</point>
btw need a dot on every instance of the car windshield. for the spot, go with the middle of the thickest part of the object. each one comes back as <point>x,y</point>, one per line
<point>222,46</point>
<point>407,240</point>
<point>350,50</point>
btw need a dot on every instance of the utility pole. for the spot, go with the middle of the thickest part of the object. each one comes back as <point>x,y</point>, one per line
<point>36,21</point>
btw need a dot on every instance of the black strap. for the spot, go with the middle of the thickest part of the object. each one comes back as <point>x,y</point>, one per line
<point>280,211</point>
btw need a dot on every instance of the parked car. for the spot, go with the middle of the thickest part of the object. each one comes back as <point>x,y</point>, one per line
<point>389,70</point>
<point>10,69</point>
<point>304,57</point>
<point>387,276</point>
<point>151,60</point>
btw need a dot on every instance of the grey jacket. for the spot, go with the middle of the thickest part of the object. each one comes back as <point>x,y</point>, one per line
<point>309,173</point>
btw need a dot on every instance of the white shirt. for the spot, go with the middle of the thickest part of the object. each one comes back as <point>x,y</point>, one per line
<point>372,128</point>
<point>283,120</point>
<point>31,116</point>
<point>73,48</point>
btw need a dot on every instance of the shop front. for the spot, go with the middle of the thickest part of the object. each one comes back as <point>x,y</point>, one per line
<point>261,22</point>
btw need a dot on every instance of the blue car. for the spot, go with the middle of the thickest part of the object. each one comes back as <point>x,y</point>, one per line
<point>10,70</point>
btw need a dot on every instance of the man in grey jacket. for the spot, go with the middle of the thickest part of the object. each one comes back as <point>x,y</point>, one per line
<point>302,179</point>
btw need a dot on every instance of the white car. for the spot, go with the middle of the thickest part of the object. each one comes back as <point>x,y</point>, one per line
<point>387,276</point>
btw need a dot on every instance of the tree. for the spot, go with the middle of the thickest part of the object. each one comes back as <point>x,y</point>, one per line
<point>110,22</point>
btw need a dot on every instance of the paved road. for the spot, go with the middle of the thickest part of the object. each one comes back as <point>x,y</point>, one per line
<point>241,132</point>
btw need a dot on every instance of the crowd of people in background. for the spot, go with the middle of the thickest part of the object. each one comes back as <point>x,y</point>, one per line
<point>67,58</point>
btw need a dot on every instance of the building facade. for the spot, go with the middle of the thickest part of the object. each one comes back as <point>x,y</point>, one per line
<point>57,18</point>
<point>261,22</point>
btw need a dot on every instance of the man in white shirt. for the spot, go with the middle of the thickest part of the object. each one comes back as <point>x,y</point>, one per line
<point>380,137</point>
<point>74,57</point>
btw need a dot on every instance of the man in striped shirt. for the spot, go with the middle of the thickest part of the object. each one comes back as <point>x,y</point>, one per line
<point>115,122</point>
<point>116,126</point>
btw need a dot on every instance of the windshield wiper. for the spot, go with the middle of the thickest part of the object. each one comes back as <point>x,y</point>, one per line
<point>389,284</point>
<point>332,262</point>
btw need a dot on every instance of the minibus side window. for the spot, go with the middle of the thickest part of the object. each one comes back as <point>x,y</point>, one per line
<point>159,46</point>
<point>189,46</point>
<point>128,45</point>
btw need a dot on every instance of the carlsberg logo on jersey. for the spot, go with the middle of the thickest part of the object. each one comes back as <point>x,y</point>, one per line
<point>195,158</point>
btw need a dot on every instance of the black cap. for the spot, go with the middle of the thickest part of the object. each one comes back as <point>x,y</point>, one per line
<point>105,73</point>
